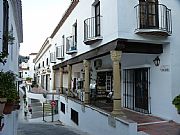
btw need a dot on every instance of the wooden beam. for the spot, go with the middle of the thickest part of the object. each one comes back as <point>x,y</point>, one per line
<point>119,44</point>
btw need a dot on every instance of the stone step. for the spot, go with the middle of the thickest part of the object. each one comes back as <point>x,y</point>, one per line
<point>36,104</point>
<point>37,108</point>
<point>39,114</point>
<point>34,100</point>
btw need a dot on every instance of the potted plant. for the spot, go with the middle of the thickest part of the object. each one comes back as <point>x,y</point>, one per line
<point>8,90</point>
<point>28,79</point>
<point>176,102</point>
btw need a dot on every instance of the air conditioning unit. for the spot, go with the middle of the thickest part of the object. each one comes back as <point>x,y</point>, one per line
<point>97,63</point>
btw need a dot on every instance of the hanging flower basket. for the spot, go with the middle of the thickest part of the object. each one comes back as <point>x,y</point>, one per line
<point>2,105</point>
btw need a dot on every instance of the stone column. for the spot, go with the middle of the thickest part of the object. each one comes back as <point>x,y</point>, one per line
<point>69,68</point>
<point>61,79</point>
<point>86,65</point>
<point>54,80</point>
<point>116,57</point>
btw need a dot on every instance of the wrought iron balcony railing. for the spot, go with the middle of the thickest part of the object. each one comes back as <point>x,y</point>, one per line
<point>92,30</point>
<point>52,57</point>
<point>60,52</point>
<point>153,18</point>
<point>71,45</point>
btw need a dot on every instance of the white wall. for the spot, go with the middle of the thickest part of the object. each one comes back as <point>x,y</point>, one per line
<point>12,60</point>
<point>10,124</point>
<point>166,84</point>
<point>119,21</point>
<point>31,65</point>
<point>1,24</point>
<point>109,25</point>
<point>10,121</point>
<point>88,121</point>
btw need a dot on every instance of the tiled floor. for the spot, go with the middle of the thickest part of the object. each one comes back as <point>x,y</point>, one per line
<point>149,124</point>
<point>167,128</point>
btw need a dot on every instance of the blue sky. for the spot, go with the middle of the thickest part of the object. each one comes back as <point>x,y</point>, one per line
<point>40,17</point>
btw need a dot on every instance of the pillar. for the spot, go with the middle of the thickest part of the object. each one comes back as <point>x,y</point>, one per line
<point>86,65</point>
<point>61,79</point>
<point>116,57</point>
<point>69,68</point>
<point>54,80</point>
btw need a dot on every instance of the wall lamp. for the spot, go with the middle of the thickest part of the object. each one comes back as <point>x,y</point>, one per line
<point>156,61</point>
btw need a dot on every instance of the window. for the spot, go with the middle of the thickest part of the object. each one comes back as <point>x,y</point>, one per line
<point>63,107</point>
<point>60,49</point>
<point>5,25</point>
<point>75,32</point>
<point>97,19</point>
<point>74,116</point>
<point>43,63</point>
<point>47,62</point>
<point>71,41</point>
<point>149,14</point>
<point>25,72</point>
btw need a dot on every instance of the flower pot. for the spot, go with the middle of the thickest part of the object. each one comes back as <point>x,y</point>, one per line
<point>8,108</point>
<point>2,104</point>
<point>16,106</point>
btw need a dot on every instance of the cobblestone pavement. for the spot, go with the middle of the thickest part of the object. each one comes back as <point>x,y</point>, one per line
<point>47,129</point>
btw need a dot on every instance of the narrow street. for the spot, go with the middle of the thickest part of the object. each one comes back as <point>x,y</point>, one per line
<point>47,129</point>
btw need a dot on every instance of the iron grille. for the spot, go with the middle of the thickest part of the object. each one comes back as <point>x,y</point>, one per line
<point>136,89</point>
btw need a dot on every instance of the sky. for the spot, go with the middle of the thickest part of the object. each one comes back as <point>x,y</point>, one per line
<point>40,17</point>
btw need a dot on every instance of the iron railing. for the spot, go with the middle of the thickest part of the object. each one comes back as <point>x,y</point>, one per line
<point>71,44</point>
<point>60,52</point>
<point>136,90</point>
<point>153,16</point>
<point>92,27</point>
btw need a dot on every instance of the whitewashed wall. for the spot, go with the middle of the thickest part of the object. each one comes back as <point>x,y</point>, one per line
<point>31,65</point>
<point>94,121</point>
<point>109,25</point>
<point>120,22</point>
<point>12,60</point>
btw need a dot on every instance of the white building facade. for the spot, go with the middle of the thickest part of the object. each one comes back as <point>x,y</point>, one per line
<point>129,48</point>
<point>10,38</point>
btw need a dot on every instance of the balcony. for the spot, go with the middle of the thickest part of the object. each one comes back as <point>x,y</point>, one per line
<point>92,30</point>
<point>153,19</point>
<point>60,52</point>
<point>53,57</point>
<point>71,45</point>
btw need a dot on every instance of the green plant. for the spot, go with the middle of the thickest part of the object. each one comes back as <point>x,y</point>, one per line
<point>176,102</point>
<point>3,56</point>
<point>8,86</point>
<point>28,78</point>
<point>8,37</point>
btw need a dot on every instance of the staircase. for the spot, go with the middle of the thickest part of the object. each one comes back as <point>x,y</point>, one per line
<point>37,110</point>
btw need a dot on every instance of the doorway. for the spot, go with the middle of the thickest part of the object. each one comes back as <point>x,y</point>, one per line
<point>136,85</point>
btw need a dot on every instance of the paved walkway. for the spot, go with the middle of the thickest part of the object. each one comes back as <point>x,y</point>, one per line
<point>55,128</point>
